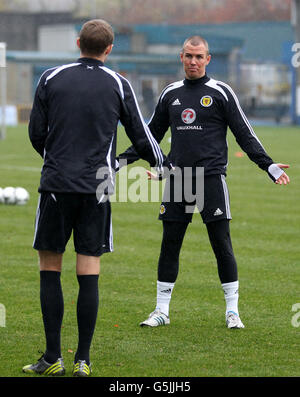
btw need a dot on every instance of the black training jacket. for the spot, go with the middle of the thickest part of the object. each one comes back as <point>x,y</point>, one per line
<point>199,112</point>
<point>73,125</point>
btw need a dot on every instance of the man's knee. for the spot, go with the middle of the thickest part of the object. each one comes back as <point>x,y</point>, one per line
<point>86,265</point>
<point>220,239</point>
<point>168,264</point>
<point>50,261</point>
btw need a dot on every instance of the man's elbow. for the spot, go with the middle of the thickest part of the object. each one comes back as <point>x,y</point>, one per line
<point>38,147</point>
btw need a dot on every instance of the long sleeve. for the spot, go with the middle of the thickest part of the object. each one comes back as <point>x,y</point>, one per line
<point>38,123</point>
<point>144,144</point>
<point>158,126</point>
<point>243,132</point>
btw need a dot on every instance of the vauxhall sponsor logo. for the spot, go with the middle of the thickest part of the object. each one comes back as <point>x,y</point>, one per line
<point>188,116</point>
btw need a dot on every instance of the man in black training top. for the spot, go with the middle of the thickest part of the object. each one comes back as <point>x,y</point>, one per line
<point>73,126</point>
<point>199,109</point>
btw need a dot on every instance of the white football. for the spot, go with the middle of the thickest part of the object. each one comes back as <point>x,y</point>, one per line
<point>21,196</point>
<point>9,195</point>
<point>1,196</point>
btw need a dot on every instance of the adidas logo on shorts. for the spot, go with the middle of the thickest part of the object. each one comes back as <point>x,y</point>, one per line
<point>218,212</point>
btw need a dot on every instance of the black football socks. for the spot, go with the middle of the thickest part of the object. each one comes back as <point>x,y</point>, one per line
<point>52,305</point>
<point>87,310</point>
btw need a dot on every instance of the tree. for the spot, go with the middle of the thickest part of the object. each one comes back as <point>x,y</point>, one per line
<point>122,12</point>
<point>126,12</point>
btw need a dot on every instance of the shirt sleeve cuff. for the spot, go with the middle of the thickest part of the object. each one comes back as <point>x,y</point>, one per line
<point>275,171</point>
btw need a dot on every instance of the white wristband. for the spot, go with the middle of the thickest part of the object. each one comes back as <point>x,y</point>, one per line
<point>275,171</point>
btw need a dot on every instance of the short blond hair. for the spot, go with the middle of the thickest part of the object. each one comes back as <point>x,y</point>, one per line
<point>194,41</point>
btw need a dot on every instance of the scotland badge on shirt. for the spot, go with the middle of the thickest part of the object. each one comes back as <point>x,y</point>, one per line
<point>206,101</point>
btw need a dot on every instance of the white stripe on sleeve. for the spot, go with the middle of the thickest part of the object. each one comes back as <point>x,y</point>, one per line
<point>155,147</point>
<point>59,69</point>
<point>116,77</point>
<point>241,111</point>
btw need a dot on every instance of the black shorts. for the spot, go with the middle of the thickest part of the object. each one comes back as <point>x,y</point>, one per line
<point>60,214</point>
<point>216,205</point>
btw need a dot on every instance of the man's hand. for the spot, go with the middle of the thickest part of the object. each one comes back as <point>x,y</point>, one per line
<point>284,178</point>
<point>152,176</point>
<point>163,173</point>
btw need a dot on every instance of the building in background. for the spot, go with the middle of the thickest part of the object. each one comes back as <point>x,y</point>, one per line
<point>253,57</point>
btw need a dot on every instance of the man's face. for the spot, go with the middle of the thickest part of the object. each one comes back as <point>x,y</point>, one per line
<point>194,60</point>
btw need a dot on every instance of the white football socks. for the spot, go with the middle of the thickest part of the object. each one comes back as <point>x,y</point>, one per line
<point>163,297</point>
<point>231,294</point>
<point>164,294</point>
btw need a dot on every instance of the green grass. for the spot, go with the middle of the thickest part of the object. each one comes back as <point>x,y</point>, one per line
<point>265,234</point>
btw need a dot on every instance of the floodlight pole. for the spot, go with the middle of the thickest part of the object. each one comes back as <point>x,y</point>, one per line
<point>295,20</point>
<point>3,89</point>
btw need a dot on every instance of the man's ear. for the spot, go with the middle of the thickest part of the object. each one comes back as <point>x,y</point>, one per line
<point>78,42</point>
<point>108,50</point>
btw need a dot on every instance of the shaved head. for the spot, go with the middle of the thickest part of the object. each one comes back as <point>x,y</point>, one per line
<point>195,41</point>
<point>195,57</point>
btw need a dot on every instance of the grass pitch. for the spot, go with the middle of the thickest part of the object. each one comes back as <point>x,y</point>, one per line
<point>265,234</point>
